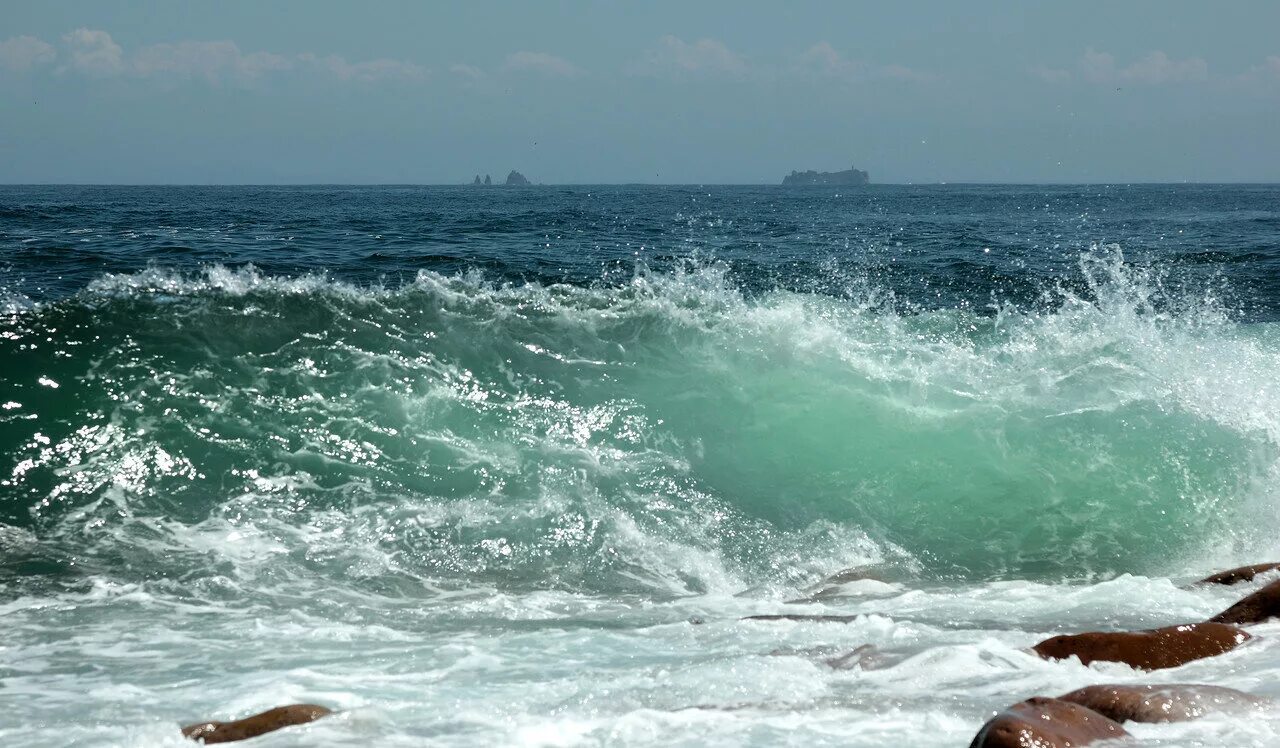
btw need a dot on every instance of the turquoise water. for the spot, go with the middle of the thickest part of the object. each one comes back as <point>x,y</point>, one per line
<point>473,487</point>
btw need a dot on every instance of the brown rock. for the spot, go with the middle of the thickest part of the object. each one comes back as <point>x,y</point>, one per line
<point>249,727</point>
<point>1256,608</point>
<point>1149,650</point>
<point>1238,575</point>
<point>1041,722</point>
<point>1172,702</point>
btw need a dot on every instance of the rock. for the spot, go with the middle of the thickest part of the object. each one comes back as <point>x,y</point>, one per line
<point>1256,608</point>
<point>1172,702</point>
<point>806,618</point>
<point>858,581</point>
<point>1238,575</point>
<point>848,177</point>
<point>249,727</point>
<point>487,180</point>
<point>1041,722</point>
<point>1148,650</point>
<point>477,180</point>
<point>866,657</point>
<point>516,179</point>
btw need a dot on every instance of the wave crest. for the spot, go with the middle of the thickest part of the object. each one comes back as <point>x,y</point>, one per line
<point>670,433</point>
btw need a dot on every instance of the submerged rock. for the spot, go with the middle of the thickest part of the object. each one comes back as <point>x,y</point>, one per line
<point>1147,650</point>
<point>1041,722</point>
<point>1261,606</point>
<point>1170,702</point>
<point>258,724</point>
<point>806,617</point>
<point>866,657</point>
<point>1240,574</point>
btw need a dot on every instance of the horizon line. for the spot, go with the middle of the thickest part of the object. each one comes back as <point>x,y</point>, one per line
<point>470,185</point>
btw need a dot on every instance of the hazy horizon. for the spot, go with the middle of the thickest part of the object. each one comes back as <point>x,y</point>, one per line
<point>498,185</point>
<point>570,93</point>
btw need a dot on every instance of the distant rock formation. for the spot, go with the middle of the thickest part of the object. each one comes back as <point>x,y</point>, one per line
<point>516,179</point>
<point>850,176</point>
<point>487,180</point>
<point>477,181</point>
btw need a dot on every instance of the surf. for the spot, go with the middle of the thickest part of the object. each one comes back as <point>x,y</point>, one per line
<point>669,434</point>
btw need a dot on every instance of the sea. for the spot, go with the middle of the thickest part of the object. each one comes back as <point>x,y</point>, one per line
<point>511,466</point>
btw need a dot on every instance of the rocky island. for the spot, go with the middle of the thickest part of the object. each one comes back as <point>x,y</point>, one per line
<point>849,176</point>
<point>514,179</point>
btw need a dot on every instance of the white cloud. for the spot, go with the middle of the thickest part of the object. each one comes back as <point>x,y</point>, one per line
<point>1270,66</point>
<point>540,62</point>
<point>369,70</point>
<point>674,55</point>
<point>1156,68</point>
<point>94,52</point>
<point>25,52</point>
<point>213,61</point>
<point>823,59</point>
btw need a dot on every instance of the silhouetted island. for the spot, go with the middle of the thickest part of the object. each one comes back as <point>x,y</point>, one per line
<point>514,179</point>
<point>849,176</point>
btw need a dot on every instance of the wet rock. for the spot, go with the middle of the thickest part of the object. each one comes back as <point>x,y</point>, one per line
<point>1148,650</point>
<point>1238,575</point>
<point>806,618</point>
<point>1260,606</point>
<point>1042,722</point>
<point>1171,702</point>
<point>866,657</point>
<point>857,574</point>
<point>249,727</point>
<point>857,581</point>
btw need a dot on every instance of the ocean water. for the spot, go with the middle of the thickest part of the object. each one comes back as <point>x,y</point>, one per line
<point>509,466</point>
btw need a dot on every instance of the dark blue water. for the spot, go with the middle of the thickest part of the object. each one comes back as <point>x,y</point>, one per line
<point>934,246</point>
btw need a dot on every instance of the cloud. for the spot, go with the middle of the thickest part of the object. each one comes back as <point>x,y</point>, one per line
<point>674,55</point>
<point>213,61</point>
<point>25,52</point>
<point>1156,68</point>
<point>824,60</point>
<point>94,53</point>
<point>1270,66</point>
<point>542,63</point>
<point>469,72</point>
<point>369,70</point>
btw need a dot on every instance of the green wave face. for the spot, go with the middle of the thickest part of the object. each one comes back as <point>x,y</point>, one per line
<point>668,435</point>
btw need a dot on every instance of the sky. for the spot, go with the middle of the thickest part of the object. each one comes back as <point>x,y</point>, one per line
<point>713,92</point>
